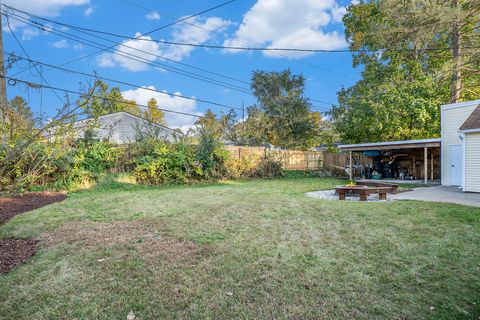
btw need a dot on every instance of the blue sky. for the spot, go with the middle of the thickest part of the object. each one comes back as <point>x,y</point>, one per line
<point>312,24</point>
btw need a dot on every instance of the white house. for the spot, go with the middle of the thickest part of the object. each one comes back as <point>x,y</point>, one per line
<point>461,145</point>
<point>121,127</point>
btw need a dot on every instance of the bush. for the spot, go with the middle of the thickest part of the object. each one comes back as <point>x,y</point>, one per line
<point>270,166</point>
<point>212,156</point>
<point>169,163</point>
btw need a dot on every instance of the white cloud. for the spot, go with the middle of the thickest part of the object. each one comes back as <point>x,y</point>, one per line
<point>141,96</point>
<point>338,13</point>
<point>50,8</point>
<point>150,50</point>
<point>105,60</point>
<point>60,44</point>
<point>88,12</point>
<point>199,33</point>
<point>44,8</point>
<point>291,24</point>
<point>154,15</point>
<point>29,33</point>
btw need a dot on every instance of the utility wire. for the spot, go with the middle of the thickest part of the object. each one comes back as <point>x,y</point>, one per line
<point>55,31</point>
<point>131,56</point>
<point>25,52</point>
<point>95,44</point>
<point>34,62</point>
<point>14,81</point>
<point>210,30</point>
<point>89,32</point>
<point>152,31</point>
<point>223,47</point>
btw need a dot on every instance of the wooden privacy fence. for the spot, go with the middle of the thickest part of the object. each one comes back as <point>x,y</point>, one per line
<point>291,159</point>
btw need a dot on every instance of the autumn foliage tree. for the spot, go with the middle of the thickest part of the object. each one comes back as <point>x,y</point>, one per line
<point>416,55</point>
<point>154,114</point>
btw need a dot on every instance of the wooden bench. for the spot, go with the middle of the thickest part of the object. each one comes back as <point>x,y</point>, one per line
<point>393,187</point>
<point>362,191</point>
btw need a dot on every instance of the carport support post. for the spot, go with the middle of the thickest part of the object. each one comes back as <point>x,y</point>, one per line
<point>351,167</point>
<point>425,164</point>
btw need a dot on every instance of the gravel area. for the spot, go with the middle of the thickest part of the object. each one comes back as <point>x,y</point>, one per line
<point>332,195</point>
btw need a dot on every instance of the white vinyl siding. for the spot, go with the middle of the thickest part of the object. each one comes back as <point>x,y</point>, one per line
<point>472,162</point>
<point>453,116</point>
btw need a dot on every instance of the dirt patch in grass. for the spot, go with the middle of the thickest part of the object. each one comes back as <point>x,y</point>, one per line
<point>14,252</point>
<point>147,237</point>
<point>10,207</point>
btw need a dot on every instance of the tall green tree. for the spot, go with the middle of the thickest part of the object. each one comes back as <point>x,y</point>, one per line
<point>410,52</point>
<point>443,35</point>
<point>252,131</point>
<point>281,98</point>
<point>389,103</point>
<point>101,100</point>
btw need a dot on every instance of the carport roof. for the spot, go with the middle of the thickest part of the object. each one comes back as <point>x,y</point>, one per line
<point>391,145</point>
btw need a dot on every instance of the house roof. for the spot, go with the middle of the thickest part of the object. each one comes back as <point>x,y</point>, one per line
<point>473,121</point>
<point>390,145</point>
<point>136,116</point>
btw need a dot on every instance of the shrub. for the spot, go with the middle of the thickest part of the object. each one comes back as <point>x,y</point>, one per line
<point>270,166</point>
<point>212,156</point>
<point>168,163</point>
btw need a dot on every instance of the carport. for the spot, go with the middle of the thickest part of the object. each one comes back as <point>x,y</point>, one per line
<point>406,159</point>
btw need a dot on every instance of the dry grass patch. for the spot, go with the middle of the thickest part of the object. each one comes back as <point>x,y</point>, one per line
<point>147,237</point>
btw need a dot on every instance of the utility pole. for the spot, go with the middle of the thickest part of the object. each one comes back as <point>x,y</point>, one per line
<point>243,120</point>
<point>3,85</point>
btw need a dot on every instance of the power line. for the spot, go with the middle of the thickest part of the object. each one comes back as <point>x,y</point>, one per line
<point>152,31</point>
<point>130,56</point>
<point>14,81</point>
<point>68,36</point>
<point>25,52</point>
<point>323,102</point>
<point>88,31</point>
<point>223,47</point>
<point>279,53</point>
<point>32,61</point>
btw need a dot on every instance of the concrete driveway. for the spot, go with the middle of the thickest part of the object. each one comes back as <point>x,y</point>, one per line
<point>440,194</point>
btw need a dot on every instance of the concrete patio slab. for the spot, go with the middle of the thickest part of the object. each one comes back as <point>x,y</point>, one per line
<point>440,194</point>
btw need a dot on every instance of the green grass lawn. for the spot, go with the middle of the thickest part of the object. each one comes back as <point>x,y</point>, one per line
<point>255,249</point>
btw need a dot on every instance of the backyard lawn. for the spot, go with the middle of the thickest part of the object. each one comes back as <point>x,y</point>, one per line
<point>254,249</point>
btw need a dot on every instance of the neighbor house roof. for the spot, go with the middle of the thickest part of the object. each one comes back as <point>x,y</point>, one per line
<point>390,145</point>
<point>133,115</point>
<point>473,121</point>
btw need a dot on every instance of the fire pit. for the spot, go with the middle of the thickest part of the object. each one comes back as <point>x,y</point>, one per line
<point>362,191</point>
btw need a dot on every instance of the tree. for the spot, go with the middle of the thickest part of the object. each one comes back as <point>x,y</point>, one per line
<point>443,36</point>
<point>19,119</point>
<point>154,114</point>
<point>389,103</point>
<point>281,99</point>
<point>102,101</point>
<point>218,127</point>
<point>253,130</point>
<point>410,51</point>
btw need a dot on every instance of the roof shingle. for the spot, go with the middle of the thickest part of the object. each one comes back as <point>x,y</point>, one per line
<point>473,121</point>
